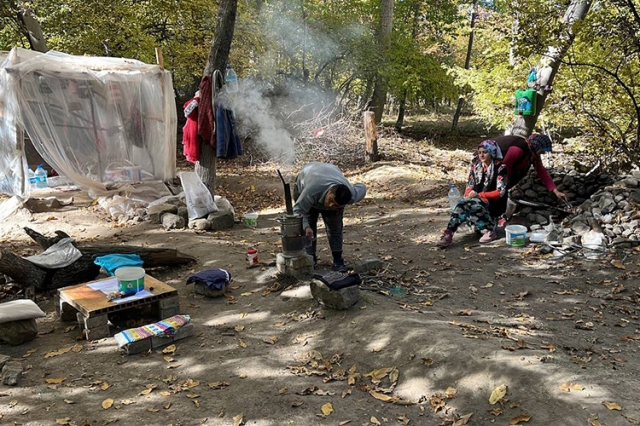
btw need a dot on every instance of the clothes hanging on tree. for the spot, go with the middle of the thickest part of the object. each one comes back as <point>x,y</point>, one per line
<point>228,144</point>
<point>190,141</point>
<point>206,124</point>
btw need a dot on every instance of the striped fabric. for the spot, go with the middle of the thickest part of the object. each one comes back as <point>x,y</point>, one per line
<point>166,328</point>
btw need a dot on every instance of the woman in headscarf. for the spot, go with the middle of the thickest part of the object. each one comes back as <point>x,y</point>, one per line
<point>485,193</point>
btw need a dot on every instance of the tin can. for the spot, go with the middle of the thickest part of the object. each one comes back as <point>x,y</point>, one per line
<point>252,256</point>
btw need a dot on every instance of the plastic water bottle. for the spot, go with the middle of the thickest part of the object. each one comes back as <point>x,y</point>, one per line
<point>454,196</point>
<point>41,177</point>
<point>231,79</point>
<point>32,179</point>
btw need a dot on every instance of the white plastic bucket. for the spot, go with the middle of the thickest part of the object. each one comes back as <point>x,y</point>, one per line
<point>133,173</point>
<point>516,235</point>
<point>251,220</point>
<point>131,279</point>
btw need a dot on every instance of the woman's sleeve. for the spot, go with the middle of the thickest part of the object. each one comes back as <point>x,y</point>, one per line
<point>544,175</point>
<point>501,185</point>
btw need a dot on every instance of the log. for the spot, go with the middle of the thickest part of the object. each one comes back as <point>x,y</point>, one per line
<point>82,270</point>
<point>371,136</point>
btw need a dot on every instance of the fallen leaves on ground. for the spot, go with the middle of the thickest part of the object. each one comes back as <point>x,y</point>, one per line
<point>611,405</point>
<point>568,387</point>
<point>519,419</point>
<point>107,403</point>
<point>75,348</point>
<point>327,409</point>
<point>238,420</point>
<point>497,394</point>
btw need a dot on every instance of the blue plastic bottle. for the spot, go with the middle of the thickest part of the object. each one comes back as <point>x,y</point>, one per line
<point>231,79</point>
<point>41,177</point>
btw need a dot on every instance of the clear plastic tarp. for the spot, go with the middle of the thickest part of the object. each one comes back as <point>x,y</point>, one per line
<point>101,122</point>
<point>13,164</point>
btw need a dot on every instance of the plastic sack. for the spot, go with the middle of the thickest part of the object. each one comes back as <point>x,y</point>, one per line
<point>197,197</point>
<point>594,244</point>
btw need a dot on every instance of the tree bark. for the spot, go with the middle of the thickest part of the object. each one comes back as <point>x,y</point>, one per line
<point>384,41</point>
<point>549,65</point>
<point>217,60</point>
<point>371,136</point>
<point>467,63</point>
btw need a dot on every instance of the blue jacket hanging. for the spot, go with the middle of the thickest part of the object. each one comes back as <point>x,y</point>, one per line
<point>227,141</point>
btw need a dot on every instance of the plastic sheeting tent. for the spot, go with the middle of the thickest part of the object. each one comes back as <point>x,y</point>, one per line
<point>101,122</point>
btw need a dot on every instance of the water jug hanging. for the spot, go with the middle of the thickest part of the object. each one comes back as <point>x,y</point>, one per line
<point>231,80</point>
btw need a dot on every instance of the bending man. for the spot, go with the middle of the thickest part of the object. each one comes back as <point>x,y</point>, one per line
<point>322,189</point>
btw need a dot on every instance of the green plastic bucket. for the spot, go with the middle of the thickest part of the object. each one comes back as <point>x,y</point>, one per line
<point>130,279</point>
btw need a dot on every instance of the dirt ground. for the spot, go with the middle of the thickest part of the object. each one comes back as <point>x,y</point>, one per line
<point>434,337</point>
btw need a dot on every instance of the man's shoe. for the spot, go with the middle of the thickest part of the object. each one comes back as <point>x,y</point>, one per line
<point>446,240</point>
<point>340,266</point>
<point>488,236</point>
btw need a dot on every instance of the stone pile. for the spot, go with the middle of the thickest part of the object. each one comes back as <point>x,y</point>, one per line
<point>578,187</point>
<point>173,214</point>
<point>613,210</point>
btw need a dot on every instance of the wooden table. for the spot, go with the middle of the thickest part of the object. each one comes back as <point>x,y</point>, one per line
<point>91,308</point>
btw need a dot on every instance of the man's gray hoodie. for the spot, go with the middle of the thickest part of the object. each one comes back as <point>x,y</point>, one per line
<point>314,180</point>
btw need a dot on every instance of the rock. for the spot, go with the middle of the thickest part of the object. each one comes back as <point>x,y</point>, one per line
<point>630,182</point>
<point>18,332</point>
<point>183,212</point>
<point>11,373</point>
<point>200,287</point>
<point>155,212</point>
<point>580,228</point>
<point>366,265</point>
<point>172,221</point>
<point>199,224</point>
<point>335,299</point>
<point>3,360</point>
<point>221,220</point>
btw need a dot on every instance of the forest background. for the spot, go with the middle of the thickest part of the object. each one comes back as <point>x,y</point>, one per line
<point>319,60</point>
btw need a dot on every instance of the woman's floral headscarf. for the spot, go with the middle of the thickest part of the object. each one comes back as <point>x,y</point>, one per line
<point>492,148</point>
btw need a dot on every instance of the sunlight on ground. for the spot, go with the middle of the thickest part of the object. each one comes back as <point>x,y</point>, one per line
<point>238,318</point>
<point>302,292</point>
<point>414,388</point>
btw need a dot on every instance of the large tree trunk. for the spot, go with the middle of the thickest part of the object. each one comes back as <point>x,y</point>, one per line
<point>467,62</point>
<point>82,270</point>
<point>549,64</point>
<point>218,56</point>
<point>384,41</point>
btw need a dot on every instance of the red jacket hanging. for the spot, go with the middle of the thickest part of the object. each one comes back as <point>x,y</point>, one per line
<point>190,131</point>
<point>206,124</point>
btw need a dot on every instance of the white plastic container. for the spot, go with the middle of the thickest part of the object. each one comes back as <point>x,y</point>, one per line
<point>231,80</point>
<point>251,220</point>
<point>114,175</point>
<point>516,235</point>
<point>41,177</point>
<point>133,173</point>
<point>130,279</point>
<point>454,196</point>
